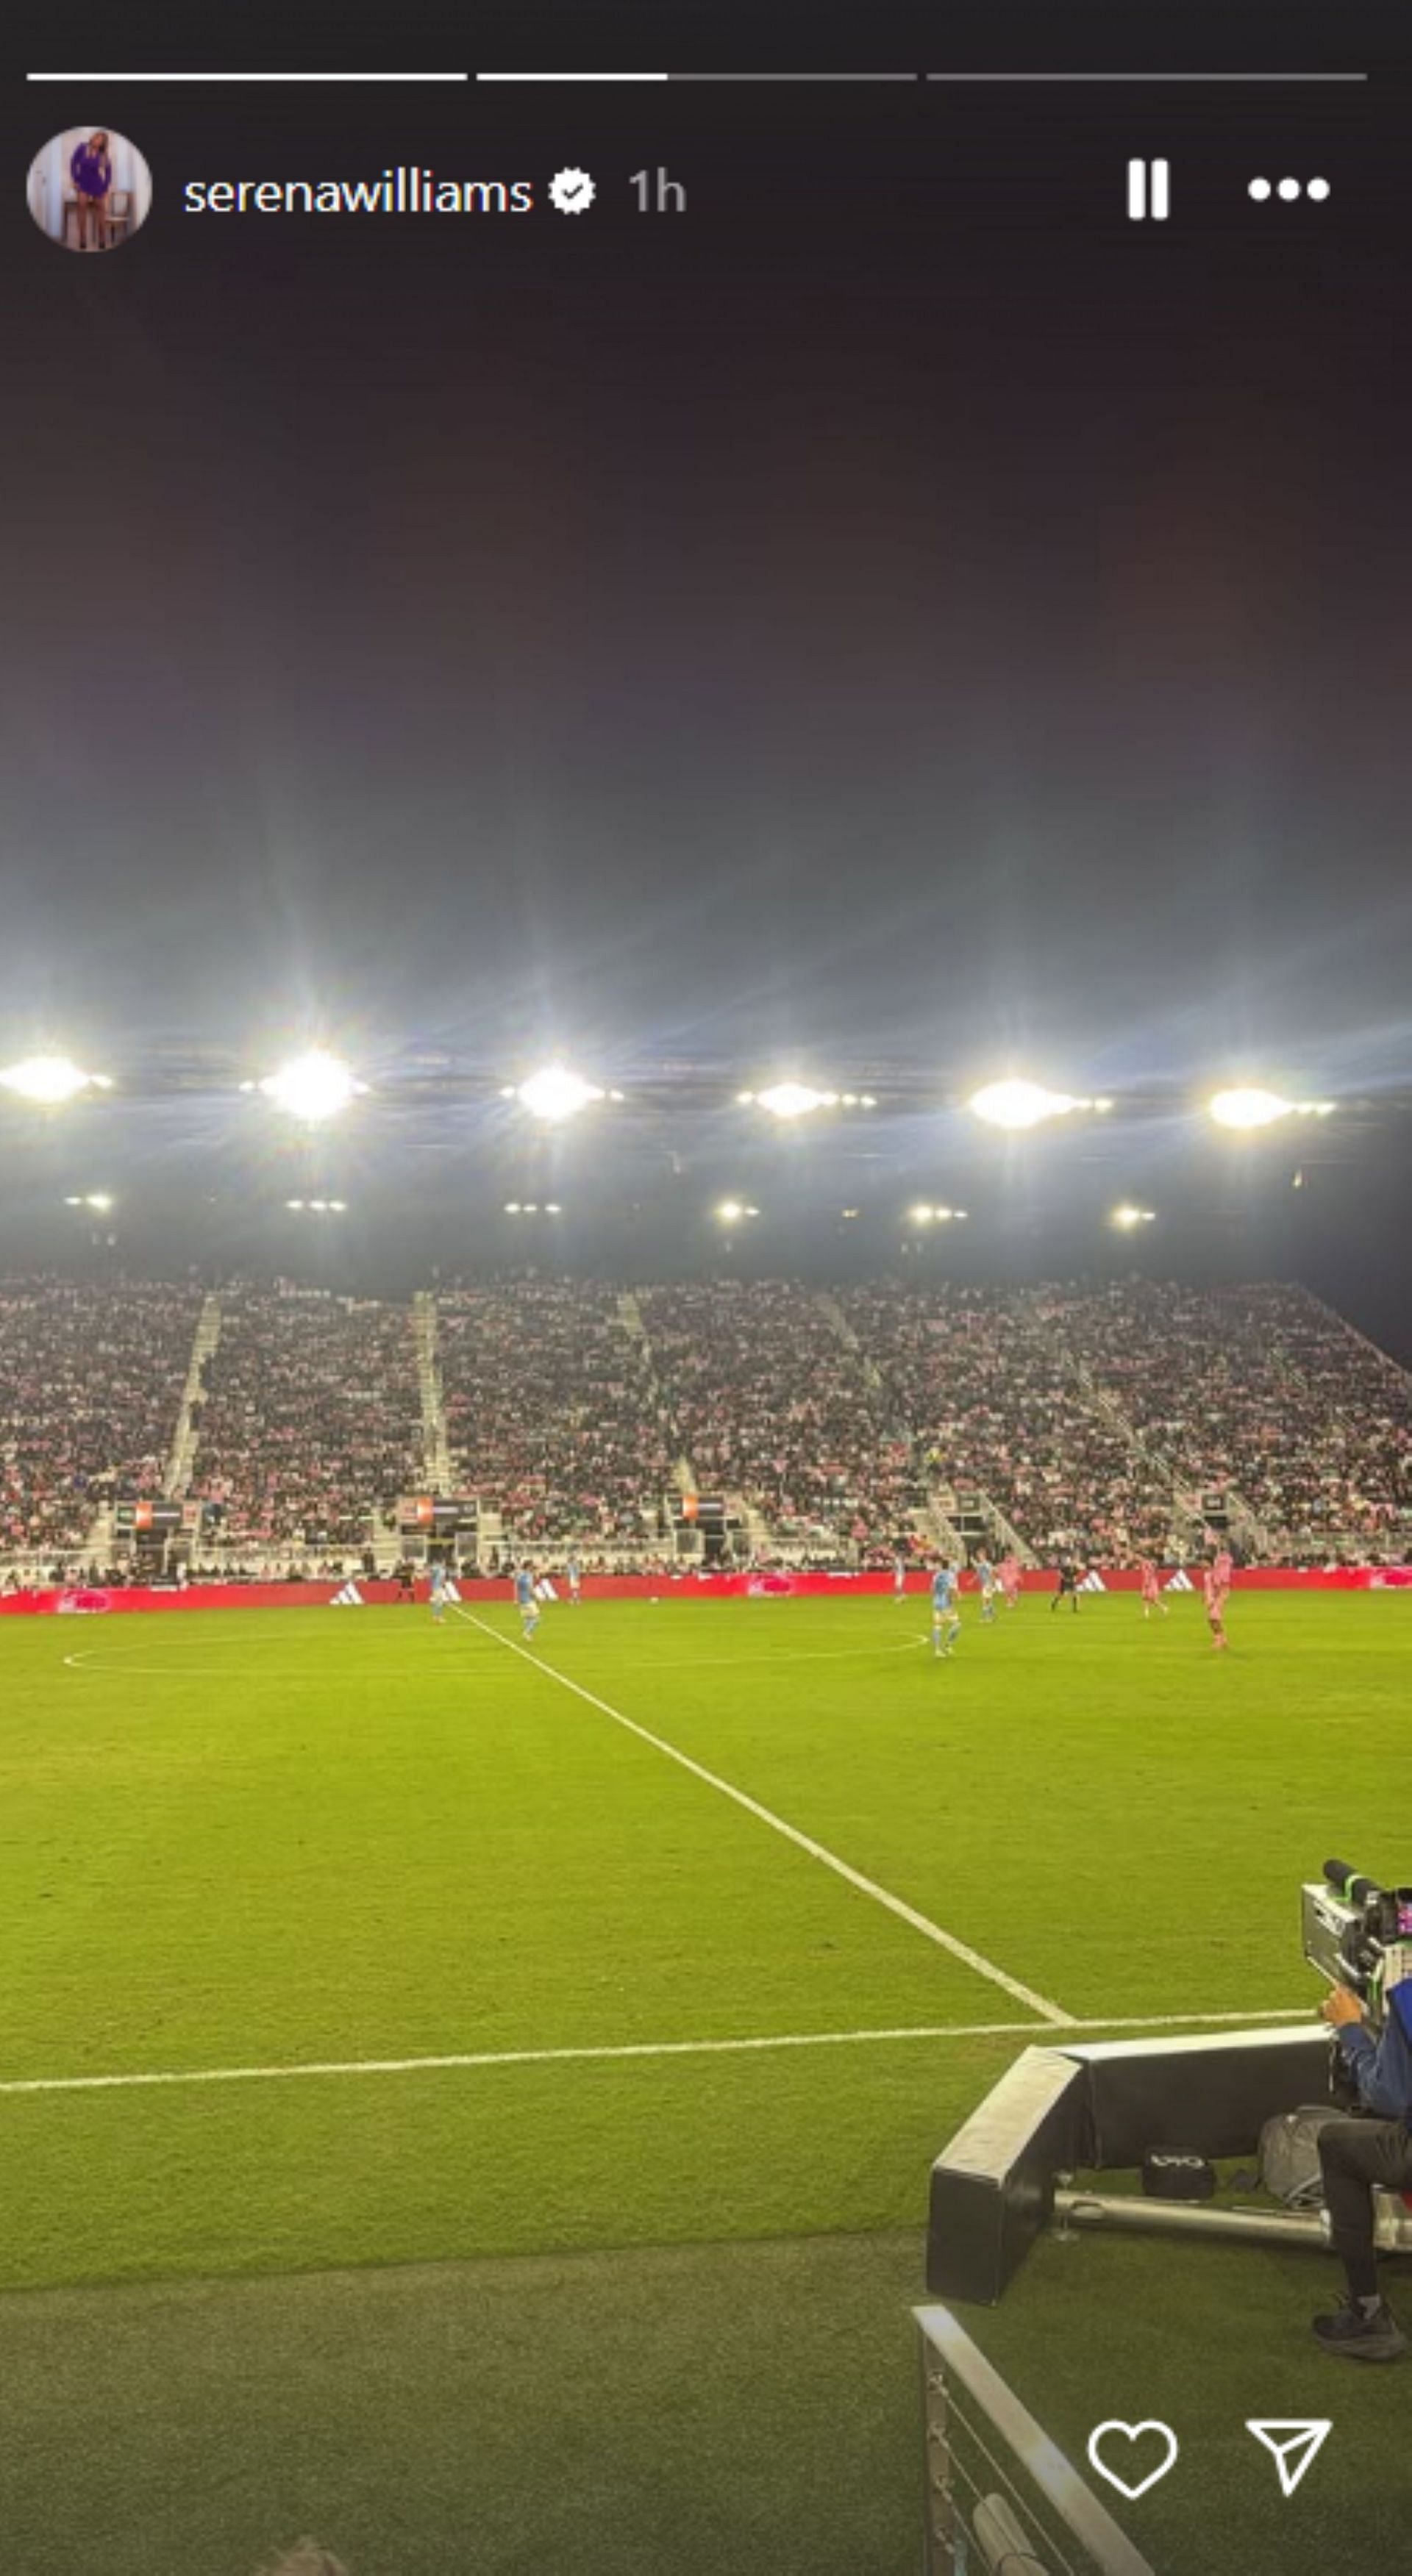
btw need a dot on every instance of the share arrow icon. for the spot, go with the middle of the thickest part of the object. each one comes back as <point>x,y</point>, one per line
<point>1293,2442</point>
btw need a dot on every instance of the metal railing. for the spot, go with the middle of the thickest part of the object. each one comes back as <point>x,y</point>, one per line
<point>1001,2498</point>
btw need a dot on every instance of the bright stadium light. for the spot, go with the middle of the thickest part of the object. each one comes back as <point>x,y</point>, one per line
<point>794,1099</point>
<point>311,1087</point>
<point>1016,1104</point>
<point>1127,1217</point>
<point>731,1211</point>
<point>50,1080</point>
<point>1249,1107</point>
<point>554,1093</point>
<point>926,1214</point>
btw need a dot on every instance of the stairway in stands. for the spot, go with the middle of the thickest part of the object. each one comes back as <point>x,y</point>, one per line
<point>436,1445</point>
<point>186,1438</point>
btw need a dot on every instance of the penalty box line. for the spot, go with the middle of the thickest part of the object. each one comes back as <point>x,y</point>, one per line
<point>1038,2004</point>
<point>176,2078</point>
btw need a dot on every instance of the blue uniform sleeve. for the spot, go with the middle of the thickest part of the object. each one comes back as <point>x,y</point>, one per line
<point>1382,2068</point>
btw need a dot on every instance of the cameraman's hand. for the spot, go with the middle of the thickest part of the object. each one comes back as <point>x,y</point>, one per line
<point>1339,2008</point>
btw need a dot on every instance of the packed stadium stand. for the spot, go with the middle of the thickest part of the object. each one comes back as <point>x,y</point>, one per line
<point>1264,1390</point>
<point>90,1389</point>
<point>309,1420</point>
<point>551,1412</point>
<point>1105,1420</point>
<point>993,1398</point>
<point>774,1405</point>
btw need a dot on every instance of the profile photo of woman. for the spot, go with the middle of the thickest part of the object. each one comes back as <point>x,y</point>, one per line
<point>89,189</point>
<point>91,170</point>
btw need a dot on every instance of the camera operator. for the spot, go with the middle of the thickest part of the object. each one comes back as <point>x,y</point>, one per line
<point>1358,2154</point>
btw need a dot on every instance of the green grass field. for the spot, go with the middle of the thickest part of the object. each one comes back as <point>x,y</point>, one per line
<point>612,2288</point>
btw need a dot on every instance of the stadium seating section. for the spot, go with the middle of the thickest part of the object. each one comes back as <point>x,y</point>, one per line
<point>311,1420</point>
<point>551,1411</point>
<point>1101,1419</point>
<point>90,1388</point>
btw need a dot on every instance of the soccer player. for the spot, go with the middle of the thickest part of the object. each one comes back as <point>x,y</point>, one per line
<point>946,1619</point>
<point>438,1593</point>
<point>1009,1571</point>
<point>899,1574</point>
<point>985,1577</point>
<point>1223,1569</point>
<point>1215,1607</point>
<point>1068,1585</point>
<point>1151,1587</point>
<point>527,1601</point>
<point>575,1574</point>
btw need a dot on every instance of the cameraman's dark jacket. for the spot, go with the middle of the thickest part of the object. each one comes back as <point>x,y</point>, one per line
<point>1382,2068</point>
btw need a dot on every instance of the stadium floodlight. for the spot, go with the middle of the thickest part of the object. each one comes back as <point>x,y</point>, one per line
<point>552,1208</point>
<point>311,1087</point>
<point>1016,1104</point>
<point>794,1099</point>
<point>1127,1216</point>
<point>1249,1106</point>
<point>554,1093</point>
<point>925,1214</point>
<point>50,1080</point>
<point>731,1211</point>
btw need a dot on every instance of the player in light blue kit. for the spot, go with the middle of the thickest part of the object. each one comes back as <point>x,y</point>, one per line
<point>575,1575</point>
<point>985,1577</point>
<point>528,1605</point>
<point>946,1619</point>
<point>438,1593</point>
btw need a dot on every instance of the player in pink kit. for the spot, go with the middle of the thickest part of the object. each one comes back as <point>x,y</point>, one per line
<point>1223,1567</point>
<point>1151,1585</point>
<point>1215,1607</point>
<point>1009,1572</point>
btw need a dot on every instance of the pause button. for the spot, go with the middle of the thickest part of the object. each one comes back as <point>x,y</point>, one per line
<point>1149,191</point>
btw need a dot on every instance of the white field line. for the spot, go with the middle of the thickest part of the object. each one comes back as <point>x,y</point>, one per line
<point>983,1967</point>
<point>493,2057</point>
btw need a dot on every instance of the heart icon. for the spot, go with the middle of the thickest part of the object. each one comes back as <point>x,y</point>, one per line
<point>1132,2433</point>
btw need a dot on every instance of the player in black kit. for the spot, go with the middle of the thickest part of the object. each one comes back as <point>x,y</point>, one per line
<point>1068,1584</point>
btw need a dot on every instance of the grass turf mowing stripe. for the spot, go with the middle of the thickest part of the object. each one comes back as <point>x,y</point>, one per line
<point>488,2057</point>
<point>974,1959</point>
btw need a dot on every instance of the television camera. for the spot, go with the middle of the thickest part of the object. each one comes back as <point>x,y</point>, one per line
<point>1357,1934</point>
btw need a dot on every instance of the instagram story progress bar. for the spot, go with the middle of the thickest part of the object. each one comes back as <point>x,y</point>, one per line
<point>609,79</point>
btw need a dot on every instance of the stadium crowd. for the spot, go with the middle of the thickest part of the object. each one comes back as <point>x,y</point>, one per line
<point>1108,1421</point>
<point>995,1405</point>
<point>552,1413</point>
<point>91,1380</point>
<point>1264,1391</point>
<point>773,1404</point>
<point>309,1420</point>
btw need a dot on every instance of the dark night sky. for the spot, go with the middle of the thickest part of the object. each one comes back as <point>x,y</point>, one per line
<point>899,609</point>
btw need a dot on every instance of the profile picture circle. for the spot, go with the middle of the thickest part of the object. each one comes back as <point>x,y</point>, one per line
<point>90,189</point>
